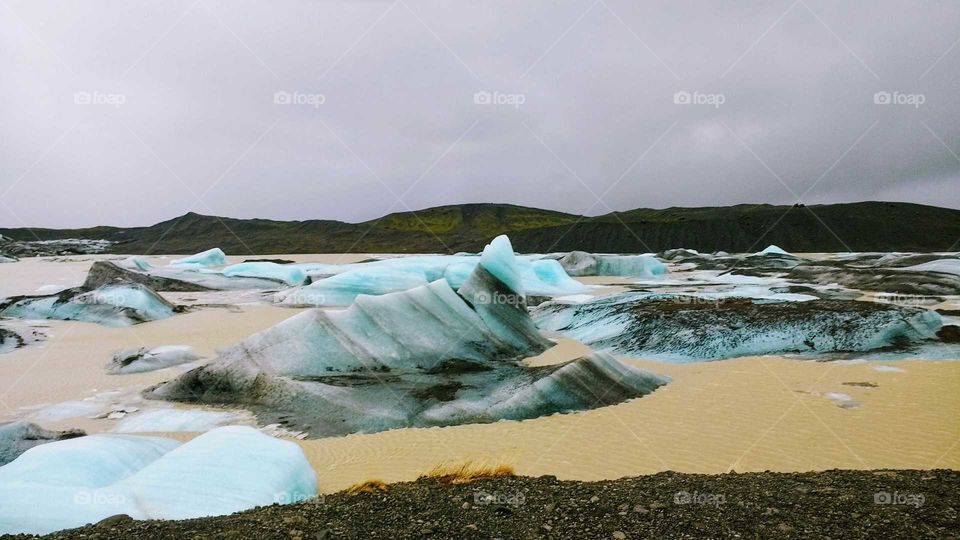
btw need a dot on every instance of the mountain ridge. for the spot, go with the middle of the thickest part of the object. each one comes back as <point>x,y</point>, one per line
<point>861,226</point>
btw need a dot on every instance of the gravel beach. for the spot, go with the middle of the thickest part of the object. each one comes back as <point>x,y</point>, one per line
<point>831,504</point>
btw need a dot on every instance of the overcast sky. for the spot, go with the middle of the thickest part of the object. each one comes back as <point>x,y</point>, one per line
<point>129,113</point>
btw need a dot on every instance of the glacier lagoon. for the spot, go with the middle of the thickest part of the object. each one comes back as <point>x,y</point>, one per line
<point>432,340</point>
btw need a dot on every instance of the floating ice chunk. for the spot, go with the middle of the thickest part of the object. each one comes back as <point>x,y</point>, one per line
<point>579,263</point>
<point>50,289</point>
<point>136,263</point>
<point>66,410</point>
<point>630,265</point>
<point>172,420</point>
<point>210,257</point>
<point>67,484</point>
<point>773,250</point>
<point>6,259</point>
<point>138,360</point>
<point>291,275</point>
<point>685,328</point>
<point>110,305</point>
<point>888,369</point>
<point>943,266</point>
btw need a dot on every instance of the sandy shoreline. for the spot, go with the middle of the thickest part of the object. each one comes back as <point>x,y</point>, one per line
<point>747,414</point>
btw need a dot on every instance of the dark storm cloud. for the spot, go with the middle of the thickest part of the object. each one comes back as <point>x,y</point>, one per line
<point>177,106</point>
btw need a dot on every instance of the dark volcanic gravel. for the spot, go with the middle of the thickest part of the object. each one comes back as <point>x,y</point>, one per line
<point>832,504</point>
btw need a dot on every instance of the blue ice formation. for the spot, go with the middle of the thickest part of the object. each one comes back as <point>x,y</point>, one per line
<point>210,257</point>
<point>686,328</point>
<point>773,250</point>
<point>70,483</point>
<point>580,263</point>
<point>110,305</point>
<point>426,356</point>
<point>339,285</point>
<point>285,273</point>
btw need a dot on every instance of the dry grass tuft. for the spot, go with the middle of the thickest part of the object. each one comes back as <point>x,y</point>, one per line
<point>370,486</point>
<point>467,472</point>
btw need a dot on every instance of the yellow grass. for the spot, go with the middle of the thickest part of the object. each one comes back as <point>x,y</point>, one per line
<point>370,486</point>
<point>467,472</point>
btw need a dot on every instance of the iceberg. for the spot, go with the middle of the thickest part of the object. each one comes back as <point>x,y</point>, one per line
<point>210,257</point>
<point>139,360</point>
<point>173,420</point>
<point>580,263</point>
<point>70,483</point>
<point>425,356</point>
<point>679,328</point>
<point>340,285</point>
<point>284,273</point>
<point>7,259</point>
<point>342,289</point>
<point>773,250</point>
<point>109,305</point>
<point>10,341</point>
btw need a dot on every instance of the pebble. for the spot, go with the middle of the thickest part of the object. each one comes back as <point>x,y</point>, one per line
<point>618,535</point>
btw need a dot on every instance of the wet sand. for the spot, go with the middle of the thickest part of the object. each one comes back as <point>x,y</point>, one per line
<point>748,414</point>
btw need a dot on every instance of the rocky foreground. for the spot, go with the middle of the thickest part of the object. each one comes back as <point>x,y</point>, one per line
<point>832,504</point>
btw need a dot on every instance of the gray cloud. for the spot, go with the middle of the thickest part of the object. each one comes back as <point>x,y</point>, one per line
<point>198,128</point>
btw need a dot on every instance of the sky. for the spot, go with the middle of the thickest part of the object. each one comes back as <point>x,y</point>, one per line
<point>130,113</point>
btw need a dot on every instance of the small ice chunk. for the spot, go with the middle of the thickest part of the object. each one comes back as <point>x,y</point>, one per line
<point>171,420</point>
<point>210,257</point>
<point>66,410</point>
<point>288,274</point>
<point>773,250</point>
<point>888,369</point>
<point>138,360</point>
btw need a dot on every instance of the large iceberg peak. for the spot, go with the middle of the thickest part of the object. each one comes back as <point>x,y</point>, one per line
<point>498,259</point>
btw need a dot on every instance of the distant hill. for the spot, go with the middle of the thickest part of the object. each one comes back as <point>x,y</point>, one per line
<point>864,226</point>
